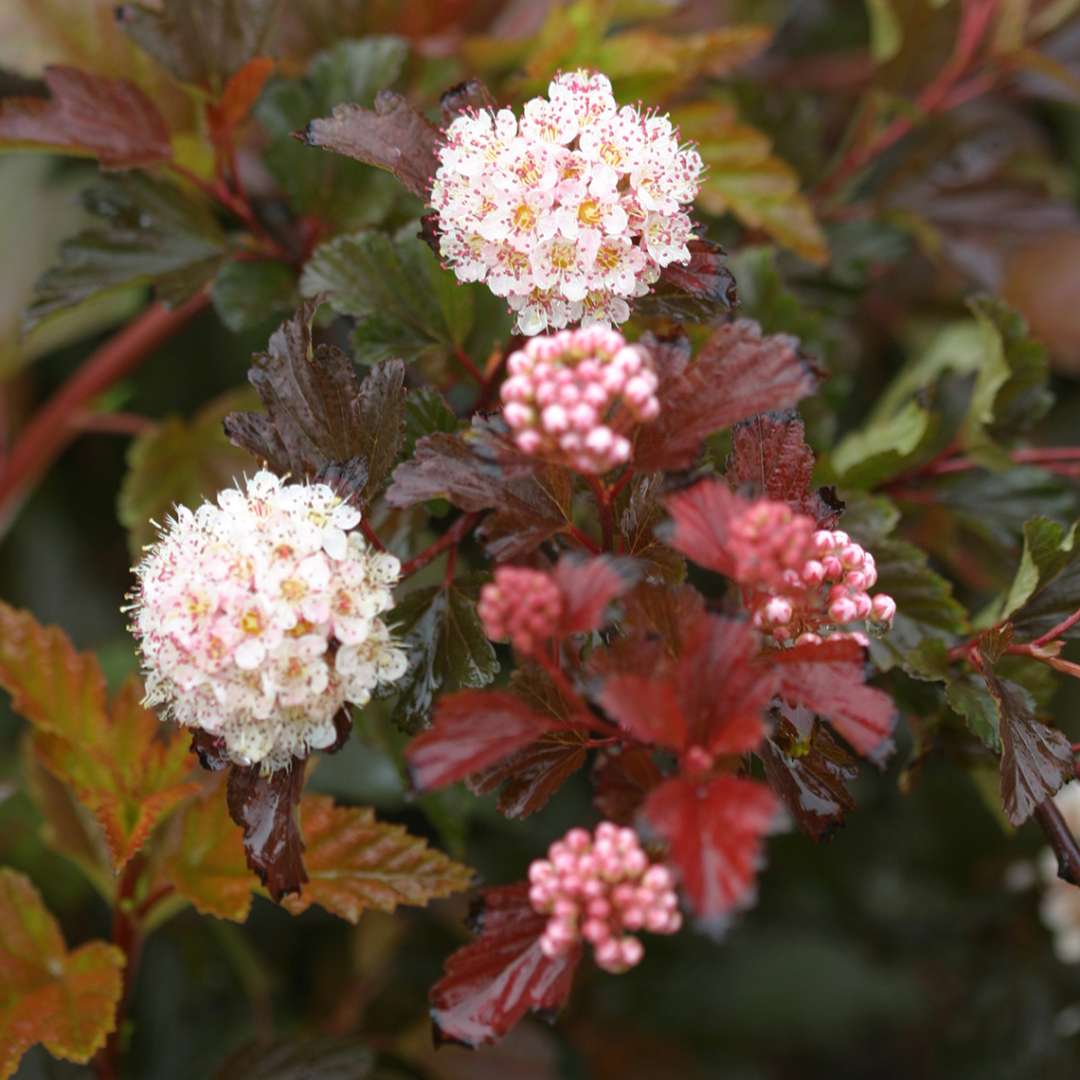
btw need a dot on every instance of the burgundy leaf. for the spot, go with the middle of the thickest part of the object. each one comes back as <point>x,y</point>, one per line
<point>701,290</point>
<point>530,510</point>
<point>495,981</point>
<point>588,586</point>
<point>646,706</point>
<point>714,833</point>
<point>528,778</point>
<point>110,119</point>
<point>700,518</point>
<point>662,613</point>
<point>828,680</point>
<point>1035,759</point>
<point>769,457</point>
<point>670,353</point>
<point>465,97</point>
<point>621,778</point>
<point>393,136</point>
<point>810,778</point>
<point>447,467</point>
<point>737,373</point>
<point>265,808</point>
<point>471,731</point>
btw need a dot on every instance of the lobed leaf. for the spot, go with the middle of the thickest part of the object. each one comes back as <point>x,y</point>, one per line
<point>1046,588</point>
<point>495,981</point>
<point>66,1000</point>
<point>248,295</point>
<point>588,586</point>
<point>356,864</point>
<point>640,515</point>
<point>108,119</point>
<point>700,517</point>
<point>621,780</point>
<point>701,291</point>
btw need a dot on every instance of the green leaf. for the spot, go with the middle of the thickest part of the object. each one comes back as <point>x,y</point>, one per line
<point>151,233</point>
<point>426,412</point>
<point>447,649</point>
<point>66,1000</point>
<point>969,697</point>
<point>884,448</point>
<point>179,462</point>
<point>248,295</point>
<point>886,31</point>
<point>405,303</point>
<point>355,863</point>
<point>1046,588</point>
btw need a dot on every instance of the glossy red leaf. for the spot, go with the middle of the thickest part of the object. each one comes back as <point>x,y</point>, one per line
<point>471,731</point>
<point>699,291</point>
<point>621,778</point>
<point>700,517</point>
<point>588,586</point>
<point>495,981</point>
<point>714,831</point>
<point>738,373</point>
<point>828,680</point>
<point>110,119</point>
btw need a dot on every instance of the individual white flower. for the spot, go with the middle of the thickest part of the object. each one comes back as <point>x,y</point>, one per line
<point>244,608</point>
<point>1060,907</point>
<point>570,212</point>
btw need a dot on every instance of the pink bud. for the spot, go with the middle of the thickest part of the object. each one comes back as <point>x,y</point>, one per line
<point>808,639</point>
<point>555,419</point>
<point>778,611</point>
<point>851,555</point>
<point>883,607</point>
<point>633,918</point>
<point>842,610</point>
<point>632,951</point>
<point>565,909</point>
<point>595,931</point>
<point>855,580</point>
<point>609,955</point>
<point>540,870</point>
<point>813,573</point>
<point>577,840</point>
<point>862,604</point>
<point>626,839</point>
<point>656,920</point>
<point>529,441</point>
<point>540,898</point>
<point>551,948</point>
<point>518,415</point>
<point>657,877</point>
<point>599,909</point>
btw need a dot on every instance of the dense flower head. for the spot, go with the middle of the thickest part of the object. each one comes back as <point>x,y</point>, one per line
<point>1060,907</point>
<point>573,396</point>
<point>596,888</point>
<point>521,606</point>
<point>569,211</point>
<point>803,582</point>
<point>257,618</point>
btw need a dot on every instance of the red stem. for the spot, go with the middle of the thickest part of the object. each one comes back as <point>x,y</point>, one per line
<point>370,535</point>
<point>466,361</point>
<point>602,498</point>
<point>53,426</point>
<point>453,536</point>
<point>1056,631</point>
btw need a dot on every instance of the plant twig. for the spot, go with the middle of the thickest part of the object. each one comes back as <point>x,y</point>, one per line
<point>602,498</point>
<point>1056,631</point>
<point>1061,840</point>
<point>453,536</point>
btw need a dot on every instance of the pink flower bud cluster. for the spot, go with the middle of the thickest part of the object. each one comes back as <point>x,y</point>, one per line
<point>258,618</point>
<point>521,606</point>
<point>805,582</point>
<point>569,211</point>
<point>596,888</point>
<point>573,396</point>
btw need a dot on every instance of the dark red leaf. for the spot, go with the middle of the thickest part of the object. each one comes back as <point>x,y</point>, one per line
<point>110,119</point>
<point>714,833</point>
<point>464,97</point>
<point>701,290</point>
<point>393,136</point>
<point>588,586</point>
<point>528,778</point>
<point>265,808</point>
<point>447,467</point>
<point>621,778</point>
<point>1035,759</point>
<point>769,457</point>
<point>471,731</point>
<point>700,518</point>
<point>810,778</point>
<point>738,372</point>
<point>530,510</point>
<point>646,706</point>
<point>670,354</point>
<point>828,680</point>
<point>491,984</point>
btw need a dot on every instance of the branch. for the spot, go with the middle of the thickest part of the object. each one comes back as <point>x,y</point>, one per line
<point>453,536</point>
<point>57,422</point>
<point>1061,840</point>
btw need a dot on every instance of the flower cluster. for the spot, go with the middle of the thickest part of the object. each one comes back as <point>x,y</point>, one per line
<point>569,211</point>
<point>1060,907</point>
<point>257,618</point>
<point>521,606</point>
<point>598,887</point>
<point>572,396</point>
<point>802,580</point>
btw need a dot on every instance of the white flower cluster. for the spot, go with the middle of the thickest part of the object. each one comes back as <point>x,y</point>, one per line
<point>257,618</point>
<point>1060,906</point>
<point>569,211</point>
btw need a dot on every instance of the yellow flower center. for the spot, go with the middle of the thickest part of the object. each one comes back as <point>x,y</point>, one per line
<point>293,589</point>
<point>589,212</point>
<point>607,257</point>
<point>562,256</point>
<point>251,622</point>
<point>524,219</point>
<point>611,154</point>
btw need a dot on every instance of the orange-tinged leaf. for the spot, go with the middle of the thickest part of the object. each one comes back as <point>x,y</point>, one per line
<point>240,93</point>
<point>110,119</point>
<point>355,863</point>
<point>66,1000</point>
<point>121,763</point>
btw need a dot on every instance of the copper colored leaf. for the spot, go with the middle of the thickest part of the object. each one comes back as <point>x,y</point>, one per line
<point>392,136</point>
<point>702,290</point>
<point>588,586</point>
<point>473,730</point>
<point>738,372</point>
<point>320,420</point>
<point>528,778</point>
<point>621,780</point>
<point>494,982</point>
<point>355,863</point>
<point>265,808</point>
<point>109,119</point>
<point>66,1000</point>
<point>1035,759</point>
<point>204,858</point>
<point>810,777</point>
<point>714,832</point>
<point>770,458</point>
<point>240,94</point>
<point>828,679</point>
